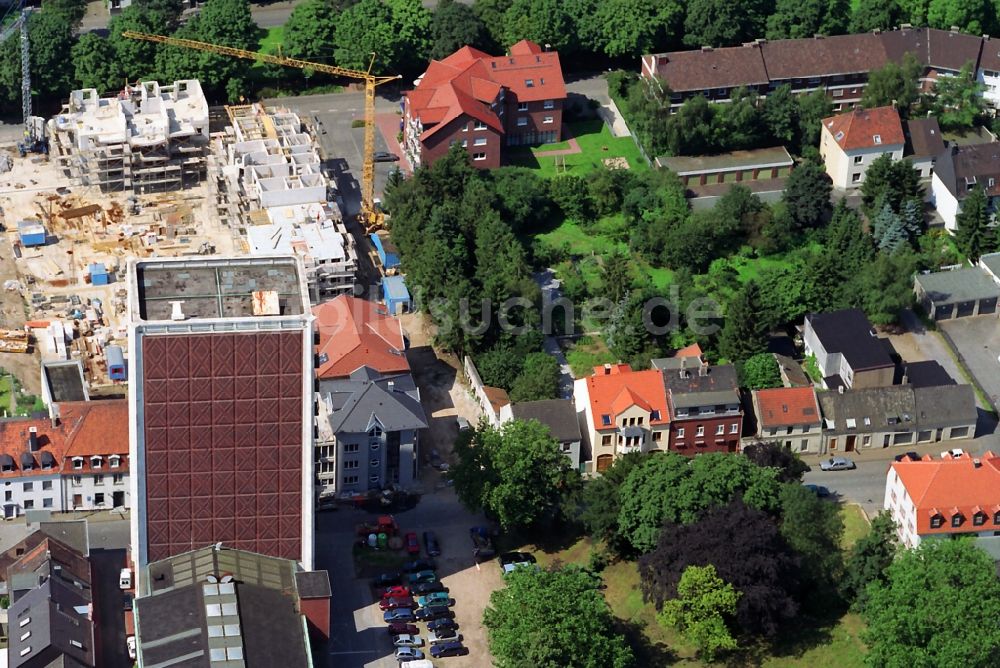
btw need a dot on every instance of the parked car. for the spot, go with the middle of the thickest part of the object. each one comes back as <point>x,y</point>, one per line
<point>954,452</point>
<point>818,490</point>
<point>407,640</point>
<point>435,598</point>
<point>443,635</point>
<point>386,156</point>
<point>482,544</point>
<point>428,587</point>
<point>396,591</point>
<point>907,455</point>
<point>417,663</point>
<point>398,602</point>
<point>421,576</point>
<point>431,544</point>
<point>398,615</point>
<point>386,580</point>
<point>453,648</point>
<point>433,612</point>
<point>419,564</point>
<point>511,560</point>
<point>441,624</point>
<point>412,544</point>
<point>399,628</point>
<point>837,464</point>
<point>408,654</point>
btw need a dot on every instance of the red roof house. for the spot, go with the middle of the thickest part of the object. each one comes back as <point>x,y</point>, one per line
<point>790,416</point>
<point>849,142</point>
<point>354,333</point>
<point>484,103</point>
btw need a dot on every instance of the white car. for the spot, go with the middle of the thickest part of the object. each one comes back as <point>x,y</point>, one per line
<point>954,452</point>
<point>130,643</point>
<point>443,635</point>
<point>419,663</point>
<point>406,640</point>
<point>408,654</point>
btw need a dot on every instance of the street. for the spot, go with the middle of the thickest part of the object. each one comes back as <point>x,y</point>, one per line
<point>549,285</point>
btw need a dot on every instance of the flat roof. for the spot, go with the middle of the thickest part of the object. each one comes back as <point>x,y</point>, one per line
<point>218,287</point>
<point>992,262</point>
<point>958,285</point>
<point>65,380</point>
<point>775,156</point>
<point>394,287</point>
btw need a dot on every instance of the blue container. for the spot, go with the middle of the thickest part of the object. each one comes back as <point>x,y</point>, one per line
<point>99,274</point>
<point>387,253</point>
<point>396,296</point>
<point>117,368</point>
<point>31,233</point>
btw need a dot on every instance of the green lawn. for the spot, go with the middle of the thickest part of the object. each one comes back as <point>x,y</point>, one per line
<point>5,394</point>
<point>596,145</point>
<point>586,353</point>
<point>272,40</point>
<point>856,525</point>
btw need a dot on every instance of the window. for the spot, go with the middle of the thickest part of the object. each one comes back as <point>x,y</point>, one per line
<point>77,481</point>
<point>680,433</point>
<point>996,518</point>
<point>8,495</point>
<point>605,440</point>
<point>46,484</point>
<point>700,431</point>
<point>522,121</point>
<point>657,436</point>
<point>95,462</point>
<point>547,119</point>
<point>46,503</point>
<point>375,432</point>
<point>29,504</point>
<point>855,178</point>
<point>606,420</point>
<point>350,480</point>
<point>654,416</point>
<point>374,445</point>
<point>351,447</point>
<point>465,143</point>
<point>720,430</point>
<point>529,83</point>
<point>734,428</point>
<point>858,159</point>
<point>979,519</point>
<point>936,521</point>
<point>480,141</point>
<point>639,421</point>
<point>478,156</point>
<point>877,139</point>
<point>115,461</point>
<point>350,464</point>
<point>118,478</point>
<point>479,126</point>
<point>956,520</point>
<point>549,104</point>
<point>28,486</point>
<point>522,106</point>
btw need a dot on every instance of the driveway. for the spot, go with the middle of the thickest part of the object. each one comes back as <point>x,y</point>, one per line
<point>358,637</point>
<point>549,285</point>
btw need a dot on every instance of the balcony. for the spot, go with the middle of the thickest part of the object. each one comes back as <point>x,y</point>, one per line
<point>623,449</point>
<point>631,439</point>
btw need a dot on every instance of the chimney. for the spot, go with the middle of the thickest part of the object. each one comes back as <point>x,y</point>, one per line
<point>176,313</point>
<point>33,439</point>
<point>54,415</point>
<point>391,385</point>
<point>607,369</point>
<point>977,462</point>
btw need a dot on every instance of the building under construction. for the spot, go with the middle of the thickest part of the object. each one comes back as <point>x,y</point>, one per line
<point>148,138</point>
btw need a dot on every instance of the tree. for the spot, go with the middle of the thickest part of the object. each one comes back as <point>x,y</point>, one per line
<point>894,84</point>
<point>957,101</point>
<point>737,125</point>
<point>807,195</point>
<point>885,288</point>
<point>745,332</point>
<point>871,15</point>
<point>931,609</point>
<point>454,25</point>
<point>492,15</point>
<point>600,502</point>
<point>51,35</point>
<point>673,488</point>
<point>760,372</point>
<point>553,619</point>
<point>541,21</point>
<point>135,57</point>
<point>311,29</point>
<point>690,131</point>
<point>972,234</point>
<point>94,59</point>
<point>722,23</point>
<point>704,601</point>
<point>522,197</point>
<point>571,195</point>
<point>798,19</point>
<point>396,31</point>
<point>813,528</point>
<point>769,454</point>
<point>895,181</point>
<point>747,551</point>
<point>813,108</point>
<point>631,27</point>
<point>869,561</point>
<point>539,379</point>
<point>499,366</point>
<point>970,16</point>
<point>516,474</point>
<point>781,115</point>
<point>912,213</point>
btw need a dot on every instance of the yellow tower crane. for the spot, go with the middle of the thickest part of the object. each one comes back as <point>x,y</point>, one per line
<point>370,216</point>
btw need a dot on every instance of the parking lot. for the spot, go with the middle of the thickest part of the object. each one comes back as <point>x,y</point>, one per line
<point>358,632</point>
<point>977,340</point>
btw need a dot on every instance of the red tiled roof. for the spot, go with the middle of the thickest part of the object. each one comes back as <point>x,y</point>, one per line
<point>354,333</point>
<point>468,81</point>
<point>866,128</point>
<point>614,388</point>
<point>693,350</point>
<point>787,406</point>
<point>952,485</point>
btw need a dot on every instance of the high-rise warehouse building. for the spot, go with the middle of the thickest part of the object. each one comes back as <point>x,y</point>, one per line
<point>221,405</point>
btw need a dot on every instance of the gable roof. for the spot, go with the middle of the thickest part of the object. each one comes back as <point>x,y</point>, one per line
<point>354,333</point>
<point>728,67</point>
<point>849,332</point>
<point>701,385</point>
<point>866,128</point>
<point>961,168</point>
<point>947,486</point>
<point>528,62</point>
<point>786,407</point>
<point>608,383</point>
<point>393,401</point>
<point>923,138</point>
<point>827,56</point>
<point>945,405</point>
<point>934,49</point>
<point>559,415</point>
<point>870,409</point>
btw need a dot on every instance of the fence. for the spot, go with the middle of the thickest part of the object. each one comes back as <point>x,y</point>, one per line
<point>483,392</point>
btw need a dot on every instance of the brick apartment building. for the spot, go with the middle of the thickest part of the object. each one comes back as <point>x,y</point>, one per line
<point>484,103</point>
<point>837,64</point>
<point>706,412</point>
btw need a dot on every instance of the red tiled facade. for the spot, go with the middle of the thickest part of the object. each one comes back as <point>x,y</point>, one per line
<point>223,442</point>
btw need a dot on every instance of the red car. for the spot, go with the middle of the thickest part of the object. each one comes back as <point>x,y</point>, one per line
<point>412,544</point>
<point>396,591</point>
<point>399,628</point>
<point>399,602</point>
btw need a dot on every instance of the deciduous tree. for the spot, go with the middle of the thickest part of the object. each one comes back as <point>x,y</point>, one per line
<point>894,181</point>
<point>871,15</point>
<point>894,84</point>
<point>798,19</point>
<point>541,21</point>
<point>769,454</point>
<point>94,59</point>
<point>970,16</point>
<point>813,528</point>
<point>600,502</point>
<point>957,101</point>
<point>634,27</point>
<point>539,379</point>
<point>869,561</point>
<point>760,372</point>
<point>454,25</point>
<point>311,30</point>
<point>721,23</point>
<point>704,602</point>
<point>745,331</point>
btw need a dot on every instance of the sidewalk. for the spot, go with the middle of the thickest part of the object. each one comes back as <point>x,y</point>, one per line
<point>388,125</point>
<point>608,111</point>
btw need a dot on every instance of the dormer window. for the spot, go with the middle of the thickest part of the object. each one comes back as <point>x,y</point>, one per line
<point>78,463</point>
<point>979,519</point>
<point>936,521</point>
<point>996,517</point>
<point>852,423</point>
<point>529,83</point>
<point>877,139</point>
<point>96,462</point>
<point>115,461</point>
<point>606,420</point>
<point>654,416</point>
<point>957,519</point>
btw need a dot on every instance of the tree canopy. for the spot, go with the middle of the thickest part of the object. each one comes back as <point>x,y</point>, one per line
<point>760,372</point>
<point>704,602</point>
<point>868,561</point>
<point>769,454</point>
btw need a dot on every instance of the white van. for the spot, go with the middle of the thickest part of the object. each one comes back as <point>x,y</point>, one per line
<point>419,663</point>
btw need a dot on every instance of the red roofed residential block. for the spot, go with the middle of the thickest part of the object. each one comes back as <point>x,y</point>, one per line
<point>484,103</point>
<point>789,416</point>
<point>354,333</point>
<point>851,141</point>
<point>625,410</point>
<point>942,497</point>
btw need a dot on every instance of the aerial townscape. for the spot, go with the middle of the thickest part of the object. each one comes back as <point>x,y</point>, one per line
<point>514,333</point>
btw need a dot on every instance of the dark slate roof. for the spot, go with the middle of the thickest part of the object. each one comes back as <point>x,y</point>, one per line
<point>394,400</point>
<point>559,415</point>
<point>55,623</point>
<point>791,371</point>
<point>707,385</point>
<point>935,49</point>
<point>849,333</point>
<point>989,57</point>
<point>945,406</point>
<point>170,625</point>
<point>927,374</point>
<point>712,68</point>
<point>822,56</point>
<point>923,138</point>
<point>273,633</point>
<point>313,584</point>
<point>886,408</point>
<point>959,167</point>
<point>955,286</point>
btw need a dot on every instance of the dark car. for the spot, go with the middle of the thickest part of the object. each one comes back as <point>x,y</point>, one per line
<point>419,564</point>
<point>427,587</point>
<point>431,544</point>
<point>398,602</point>
<point>908,455</point>
<point>453,648</point>
<point>441,624</point>
<point>385,156</point>
<point>386,580</point>
<point>398,615</point>
<point>421,576</point>
<point>818,490</point>
<point>443,635</point>
<point>433,612</point>
<point>482,544</point>
<point>397,628</point>
<point>412,544</point>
